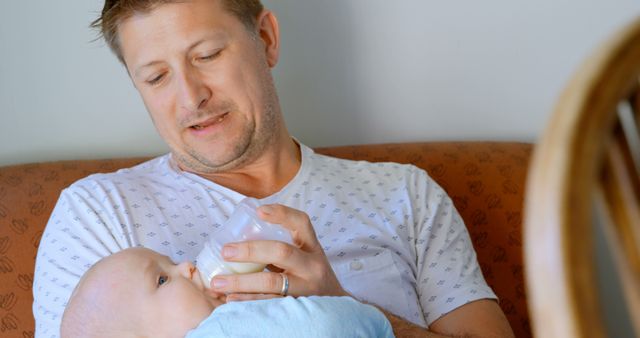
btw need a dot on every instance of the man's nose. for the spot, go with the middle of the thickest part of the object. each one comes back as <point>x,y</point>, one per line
<point>194,92</point>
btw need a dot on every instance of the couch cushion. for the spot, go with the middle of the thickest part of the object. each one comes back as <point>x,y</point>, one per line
<point>28,194</point>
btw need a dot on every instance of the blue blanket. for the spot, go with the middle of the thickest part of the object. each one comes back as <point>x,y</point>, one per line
<point>311,317</point>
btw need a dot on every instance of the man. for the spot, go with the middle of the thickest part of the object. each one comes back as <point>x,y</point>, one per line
<point>383,233</point>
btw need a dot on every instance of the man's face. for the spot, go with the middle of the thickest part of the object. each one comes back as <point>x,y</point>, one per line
<point>206,81</point>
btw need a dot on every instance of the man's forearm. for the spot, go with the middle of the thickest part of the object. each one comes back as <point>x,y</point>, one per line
<point>404,328</point>
<point>481,318</point>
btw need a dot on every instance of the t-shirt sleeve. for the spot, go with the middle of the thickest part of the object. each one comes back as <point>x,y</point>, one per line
<point>448,273</point>
<point>311,317</point>
<point>78,233</point>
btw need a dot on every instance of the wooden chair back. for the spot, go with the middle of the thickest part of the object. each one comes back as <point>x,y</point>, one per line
<point>588,157</point>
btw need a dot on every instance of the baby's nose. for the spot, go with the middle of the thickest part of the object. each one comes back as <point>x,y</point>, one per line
<point>187,269</point>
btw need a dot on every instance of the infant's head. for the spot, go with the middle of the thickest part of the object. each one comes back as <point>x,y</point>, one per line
<point>137,293</point>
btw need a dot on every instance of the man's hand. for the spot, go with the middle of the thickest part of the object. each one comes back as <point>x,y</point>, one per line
<point>304,262</point>
<point>309,273</point>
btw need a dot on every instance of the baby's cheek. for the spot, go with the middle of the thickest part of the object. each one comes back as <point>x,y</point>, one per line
<point>192,308</point>
<point>201,304</point>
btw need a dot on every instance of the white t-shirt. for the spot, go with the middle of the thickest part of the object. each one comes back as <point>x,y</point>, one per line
<point>391,234</point>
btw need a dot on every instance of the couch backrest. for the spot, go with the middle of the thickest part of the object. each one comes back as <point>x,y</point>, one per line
<point>485,181</point>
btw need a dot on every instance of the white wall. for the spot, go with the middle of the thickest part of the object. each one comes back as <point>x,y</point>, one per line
<point>351,71</point>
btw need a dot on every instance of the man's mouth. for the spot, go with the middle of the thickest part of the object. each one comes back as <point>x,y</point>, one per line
<point>209,122</point>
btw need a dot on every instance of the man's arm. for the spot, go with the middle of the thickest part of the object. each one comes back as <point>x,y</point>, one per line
<point>482,318</point>
<point>76,236</point>
<point>453,294</point>
<point>310,274</point>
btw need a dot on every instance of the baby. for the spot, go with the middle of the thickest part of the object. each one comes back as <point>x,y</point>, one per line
<point>140,293</point>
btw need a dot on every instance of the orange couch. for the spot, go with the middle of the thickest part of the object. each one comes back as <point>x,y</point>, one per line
<point>485,180</point>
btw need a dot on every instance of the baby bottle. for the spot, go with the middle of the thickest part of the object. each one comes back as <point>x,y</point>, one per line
<point>243,225</point>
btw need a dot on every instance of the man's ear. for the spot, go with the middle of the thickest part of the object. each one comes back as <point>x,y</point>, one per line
<point>269,32</point>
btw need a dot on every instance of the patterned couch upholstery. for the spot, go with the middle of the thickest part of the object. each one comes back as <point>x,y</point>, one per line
<point>484,179</point>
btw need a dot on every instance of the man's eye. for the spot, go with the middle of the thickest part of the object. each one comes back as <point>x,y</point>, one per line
<point>210,56</point>
<point>162,280</point>
<point>155,80</point>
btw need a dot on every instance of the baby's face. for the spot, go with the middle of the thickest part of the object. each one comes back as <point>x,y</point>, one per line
<point>168,299</point>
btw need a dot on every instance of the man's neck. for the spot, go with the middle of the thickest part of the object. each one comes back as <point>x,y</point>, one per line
<point>266,175</point>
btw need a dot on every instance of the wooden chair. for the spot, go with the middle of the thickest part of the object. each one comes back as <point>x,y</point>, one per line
<point>589,156</point>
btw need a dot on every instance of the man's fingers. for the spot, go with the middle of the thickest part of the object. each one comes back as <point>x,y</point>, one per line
<point>280,254</point>
<point>305,264</point>
<point>254,283</point>
<point>274,268</point>
<point>296,221</point>
<point>238,297</point>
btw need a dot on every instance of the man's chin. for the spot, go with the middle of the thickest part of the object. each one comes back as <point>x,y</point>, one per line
<point>200,166</point>
<point>236,153</point>
<point>212,164</point>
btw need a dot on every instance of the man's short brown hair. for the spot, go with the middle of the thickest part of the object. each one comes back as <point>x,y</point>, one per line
<point>116,11</point>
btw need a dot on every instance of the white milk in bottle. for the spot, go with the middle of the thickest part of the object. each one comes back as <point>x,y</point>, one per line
<point>243,225</point>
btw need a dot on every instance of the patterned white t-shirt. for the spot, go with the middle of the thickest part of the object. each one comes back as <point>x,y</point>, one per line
<point>391,234</point>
